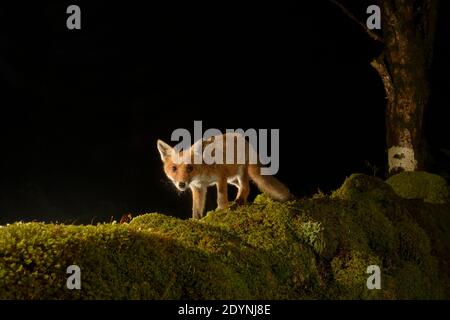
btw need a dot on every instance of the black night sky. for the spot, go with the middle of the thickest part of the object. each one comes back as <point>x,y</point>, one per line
<point>80,110</point>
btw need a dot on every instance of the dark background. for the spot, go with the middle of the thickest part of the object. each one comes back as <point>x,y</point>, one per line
<point>80,110</point>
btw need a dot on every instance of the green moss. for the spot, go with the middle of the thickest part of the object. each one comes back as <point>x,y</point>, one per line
<point>359,185</point>
<point>417,283</point>
<point>246,260</point>
<point>268,225</point>
<point>116,261</point>
<point>420,185</point>
<point>350,273</point>
<point>306,249</point>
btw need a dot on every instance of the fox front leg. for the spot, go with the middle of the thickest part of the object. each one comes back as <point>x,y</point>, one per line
<point>222,193</point>
<point>198,201</point>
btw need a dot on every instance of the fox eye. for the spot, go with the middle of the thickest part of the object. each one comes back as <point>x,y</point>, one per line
<point>189,168</point>
<point>174,168</point>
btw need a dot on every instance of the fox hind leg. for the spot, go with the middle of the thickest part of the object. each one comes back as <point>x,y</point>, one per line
<point>243,188</point>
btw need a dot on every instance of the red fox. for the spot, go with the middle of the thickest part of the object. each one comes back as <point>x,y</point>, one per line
<point>183,171</point>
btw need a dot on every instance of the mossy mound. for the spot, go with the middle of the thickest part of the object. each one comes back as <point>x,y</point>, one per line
<point>116,262</point>
<point>420,185</point>
<point>317,248</point>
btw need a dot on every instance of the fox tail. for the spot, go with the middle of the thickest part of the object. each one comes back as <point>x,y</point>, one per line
<point>269,184</point>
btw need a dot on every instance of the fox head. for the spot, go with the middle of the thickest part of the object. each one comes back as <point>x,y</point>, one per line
<point>177,166</point>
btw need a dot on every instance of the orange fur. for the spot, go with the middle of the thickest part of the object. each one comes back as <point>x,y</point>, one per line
<point>197,177</point>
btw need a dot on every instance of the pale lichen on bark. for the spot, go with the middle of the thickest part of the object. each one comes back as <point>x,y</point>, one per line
<point>401,158</point>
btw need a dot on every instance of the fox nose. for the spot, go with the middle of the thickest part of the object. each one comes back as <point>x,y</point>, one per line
<point>182,185</point>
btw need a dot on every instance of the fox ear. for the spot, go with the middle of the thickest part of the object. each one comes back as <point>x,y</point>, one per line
<point>164,150</point>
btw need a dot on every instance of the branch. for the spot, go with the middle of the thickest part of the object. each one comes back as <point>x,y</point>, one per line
<point>379,65</point>
<point>347,12</point>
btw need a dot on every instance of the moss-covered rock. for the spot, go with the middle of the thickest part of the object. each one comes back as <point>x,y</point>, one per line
<point>420,185</point>
<point>316,248</point>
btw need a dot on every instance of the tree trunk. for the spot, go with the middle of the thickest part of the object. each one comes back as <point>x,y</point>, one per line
<point>408,34</point>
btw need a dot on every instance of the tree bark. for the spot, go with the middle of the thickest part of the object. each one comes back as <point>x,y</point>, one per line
<point>408,34</point>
